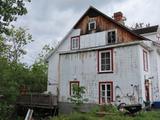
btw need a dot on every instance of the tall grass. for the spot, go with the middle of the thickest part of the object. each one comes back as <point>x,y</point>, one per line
<point>149,115</point>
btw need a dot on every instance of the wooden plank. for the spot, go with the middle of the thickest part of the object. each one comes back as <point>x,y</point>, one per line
<point>29,114</point>
<point>39,100</point>
<point>102,24</point>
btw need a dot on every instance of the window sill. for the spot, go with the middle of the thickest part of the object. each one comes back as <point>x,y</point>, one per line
<point>101,72</point>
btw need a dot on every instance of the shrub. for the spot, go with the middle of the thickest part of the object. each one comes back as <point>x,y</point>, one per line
<point>77,97</point>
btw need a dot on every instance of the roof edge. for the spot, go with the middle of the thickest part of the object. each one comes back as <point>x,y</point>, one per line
<point>107,17</point>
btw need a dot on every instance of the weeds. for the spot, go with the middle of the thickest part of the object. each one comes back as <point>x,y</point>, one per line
<point>150,115</point>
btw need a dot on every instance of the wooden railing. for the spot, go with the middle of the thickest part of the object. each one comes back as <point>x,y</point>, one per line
<point>37,100</point>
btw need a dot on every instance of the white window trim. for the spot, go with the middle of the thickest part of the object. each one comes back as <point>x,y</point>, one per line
<point>111,59</point>
<point>90,22</point>
<point>72,39</point>
<point>107,35</point>
<point>106,95</point>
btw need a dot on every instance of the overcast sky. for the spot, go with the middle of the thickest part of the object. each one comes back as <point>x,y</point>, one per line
<point>49,20</point>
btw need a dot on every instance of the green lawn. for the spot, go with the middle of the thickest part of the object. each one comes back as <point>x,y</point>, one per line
<point>149,115</point>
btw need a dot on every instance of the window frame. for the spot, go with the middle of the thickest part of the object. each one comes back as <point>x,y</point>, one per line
<point>112,30</point>
<point>70,86</point>
<point>111,61</point>
<point>111,91</point>
<point>92,21</point>
<point>78,39</point>
<point>145,60</point>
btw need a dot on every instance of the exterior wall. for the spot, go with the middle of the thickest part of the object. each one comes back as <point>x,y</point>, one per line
<point>157,86</point>
<point>151,36</point>
<point>53,73</point>
<point>155,74</point>
<point>54,64</point>
<point>93,40</point>
<point>83,67</point>
<point>103,24</point>
<point>66,45</point>
<point>154,69</point>
<point>144,74</point>
<point>128,75</point>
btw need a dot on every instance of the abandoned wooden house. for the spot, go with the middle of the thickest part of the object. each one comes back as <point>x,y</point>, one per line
<point>115,63</point>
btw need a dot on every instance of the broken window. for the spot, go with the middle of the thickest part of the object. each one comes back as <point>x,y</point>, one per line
<point>111,37</point>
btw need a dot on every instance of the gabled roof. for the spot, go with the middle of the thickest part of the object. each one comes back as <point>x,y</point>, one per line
<point>150,29</point>
<point>92,11</point>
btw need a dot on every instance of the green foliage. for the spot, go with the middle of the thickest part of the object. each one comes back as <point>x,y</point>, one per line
<point>152,115</point>
<point>37,81</point>
<point>14,43</point>
<point>77,97</point>
<point>73,116</point>
<point>9,11</point>
<point>110,108</point>
<point>13,75</point>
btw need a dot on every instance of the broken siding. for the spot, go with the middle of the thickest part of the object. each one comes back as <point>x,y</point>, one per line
<point>83,67</point>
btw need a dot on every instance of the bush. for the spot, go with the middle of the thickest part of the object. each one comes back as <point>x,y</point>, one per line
<point>111,108</point>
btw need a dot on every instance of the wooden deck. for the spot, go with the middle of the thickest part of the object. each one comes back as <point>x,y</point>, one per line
<point>38,100</point>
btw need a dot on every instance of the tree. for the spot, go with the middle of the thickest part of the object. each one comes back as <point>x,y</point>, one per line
<point>9,11</point>
<point>15,42</point>
<point>38,71</point>
<point>77,97</point>
<point>12,72</point>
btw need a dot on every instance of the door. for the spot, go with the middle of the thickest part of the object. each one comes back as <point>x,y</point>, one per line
<point>105,92</point>
<point>147,90</point>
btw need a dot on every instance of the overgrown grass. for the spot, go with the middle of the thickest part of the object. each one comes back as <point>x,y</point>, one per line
<point>112,114</point>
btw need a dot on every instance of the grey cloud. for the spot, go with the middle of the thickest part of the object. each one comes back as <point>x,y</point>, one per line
<point>78,5</point>
<point>50,20</point>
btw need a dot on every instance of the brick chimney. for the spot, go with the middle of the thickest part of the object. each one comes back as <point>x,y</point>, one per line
<point>118,16</point>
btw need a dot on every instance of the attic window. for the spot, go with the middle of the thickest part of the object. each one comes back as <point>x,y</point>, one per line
<point>75,43</point>
<point>111,37</point>
<point>92,24</point>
